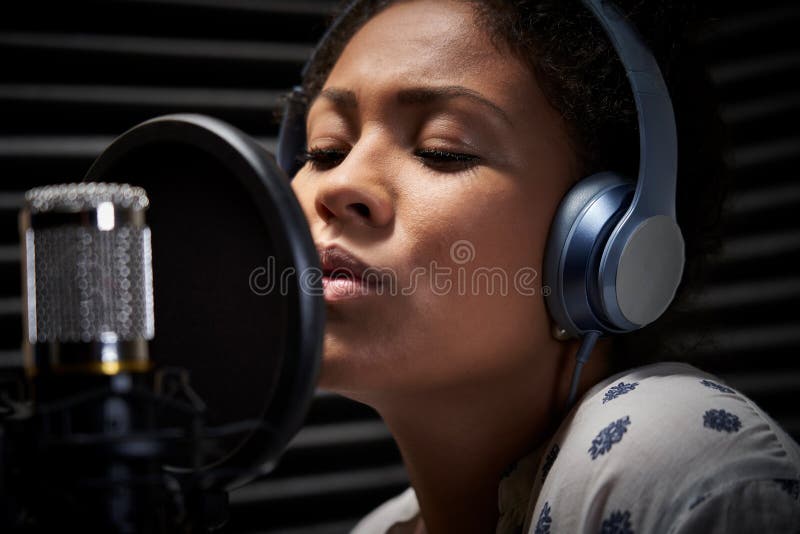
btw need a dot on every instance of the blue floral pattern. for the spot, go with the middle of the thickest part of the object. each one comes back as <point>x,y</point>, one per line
<point>549,460</point>
<point>715,424</point>
<point>721,421</point>
<point>543,524</point>
<point>620,389</point>
<point>718,387</point>
<point>609,436</point>
<point>618,522</point>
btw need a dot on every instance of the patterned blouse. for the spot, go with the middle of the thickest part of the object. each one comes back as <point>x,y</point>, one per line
<point>661,448</point>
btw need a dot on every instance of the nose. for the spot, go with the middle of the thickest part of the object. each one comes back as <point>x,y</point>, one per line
<point>351,194</point>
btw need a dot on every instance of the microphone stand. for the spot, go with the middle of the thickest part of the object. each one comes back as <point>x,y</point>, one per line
<point>94,458</point>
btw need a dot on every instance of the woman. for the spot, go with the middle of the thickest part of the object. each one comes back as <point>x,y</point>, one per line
<point>441,137</point>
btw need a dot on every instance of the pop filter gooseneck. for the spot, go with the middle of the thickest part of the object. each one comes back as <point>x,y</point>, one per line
<point>223,216</point>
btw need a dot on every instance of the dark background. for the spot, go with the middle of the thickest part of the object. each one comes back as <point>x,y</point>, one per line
<point>74,75</point>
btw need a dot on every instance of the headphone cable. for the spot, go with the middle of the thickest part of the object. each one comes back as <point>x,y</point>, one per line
<point>587,344</point>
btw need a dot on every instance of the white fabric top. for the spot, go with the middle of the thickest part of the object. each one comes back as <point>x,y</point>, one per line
<point>661,448</point>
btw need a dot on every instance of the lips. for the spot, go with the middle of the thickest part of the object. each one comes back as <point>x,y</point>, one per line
<point>339,263</point>
<point>343,274</point>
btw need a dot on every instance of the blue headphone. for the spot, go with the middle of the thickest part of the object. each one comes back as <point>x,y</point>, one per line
<point>615,253</point>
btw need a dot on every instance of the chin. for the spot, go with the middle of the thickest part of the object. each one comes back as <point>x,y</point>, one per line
<point>340,370</point>
<point>355,370</point>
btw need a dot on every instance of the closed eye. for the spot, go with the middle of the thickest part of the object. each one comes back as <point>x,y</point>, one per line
<point>444,161</point>
<point>322,159</point>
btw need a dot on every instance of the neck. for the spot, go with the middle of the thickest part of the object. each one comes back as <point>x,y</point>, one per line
<point>457,454</point>
<point>457,442</point>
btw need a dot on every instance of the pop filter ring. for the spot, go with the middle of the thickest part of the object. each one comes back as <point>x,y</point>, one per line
<point>285,223</point>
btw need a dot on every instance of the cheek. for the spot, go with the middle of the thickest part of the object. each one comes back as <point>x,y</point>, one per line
<point>492,222</point>
<point>488,241</point>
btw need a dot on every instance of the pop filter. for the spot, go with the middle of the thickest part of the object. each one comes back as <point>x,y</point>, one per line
<point>237,299</point>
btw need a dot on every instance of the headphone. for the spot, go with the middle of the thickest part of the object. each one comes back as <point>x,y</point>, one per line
<point>615,253</point>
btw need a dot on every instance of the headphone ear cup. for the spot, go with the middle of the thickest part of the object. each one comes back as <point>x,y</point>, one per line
<point>587,215</point>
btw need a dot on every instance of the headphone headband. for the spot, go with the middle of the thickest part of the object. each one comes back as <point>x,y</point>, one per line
<point>658,139</point>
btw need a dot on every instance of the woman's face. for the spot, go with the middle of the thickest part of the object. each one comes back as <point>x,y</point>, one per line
<point>435,158</point>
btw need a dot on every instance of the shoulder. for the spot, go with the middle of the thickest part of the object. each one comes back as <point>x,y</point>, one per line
<point>673,412</point>
<point>643,445</point>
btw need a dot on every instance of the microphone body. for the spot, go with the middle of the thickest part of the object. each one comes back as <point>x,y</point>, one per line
<point>88,279</point>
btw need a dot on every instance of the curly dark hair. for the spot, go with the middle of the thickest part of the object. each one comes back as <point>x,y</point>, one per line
<point>581,76</point>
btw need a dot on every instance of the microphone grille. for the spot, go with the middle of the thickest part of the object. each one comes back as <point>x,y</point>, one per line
<point>88,264</point>
<point>84,196</point>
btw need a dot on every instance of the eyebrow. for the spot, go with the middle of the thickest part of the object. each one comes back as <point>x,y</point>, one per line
<point>429,95</point>
<point>342,98</point>
<point>346,99</point>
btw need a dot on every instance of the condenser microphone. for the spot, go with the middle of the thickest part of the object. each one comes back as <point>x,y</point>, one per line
<point>159,382</point>
<point>88,280</point>
<point>90,451</point>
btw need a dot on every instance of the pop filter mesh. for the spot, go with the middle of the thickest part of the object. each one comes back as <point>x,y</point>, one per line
<point>208,237</point>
